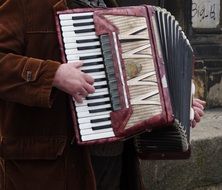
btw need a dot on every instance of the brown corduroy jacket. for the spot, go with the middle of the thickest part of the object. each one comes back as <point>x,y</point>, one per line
<point>32,113</point>
<point>34,117</point>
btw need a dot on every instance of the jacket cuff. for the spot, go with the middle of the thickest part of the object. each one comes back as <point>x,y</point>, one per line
<point>39,75</point>
<point>48,92</point>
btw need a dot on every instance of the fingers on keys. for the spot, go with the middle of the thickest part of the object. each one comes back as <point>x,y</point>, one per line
<point>89,78</point>
<point>78,98</point>
<point>85,84</point>
<point>86,89</point>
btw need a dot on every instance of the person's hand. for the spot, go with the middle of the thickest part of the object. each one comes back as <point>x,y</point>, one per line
<point>70,79</point>
<point>198,107</point>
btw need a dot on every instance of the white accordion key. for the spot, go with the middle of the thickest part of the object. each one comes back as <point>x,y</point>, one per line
<point>100,66</point>
<point>85,53</point>
<point>102,92</point>
<point>94,119</point>
<point>80,39</point>
<point>72,34</point>
<point>72,28</point>
<point>88,109</point>
<point>93,101</point>
<point>71,22</point>
<point>81,57</point>
<point>87,114</point>
<point>92,125</point>
<point>93,60</point>
<point>91,131</point>
<point>75,45</point>
<point>75,16</point>
<point>97,136</point>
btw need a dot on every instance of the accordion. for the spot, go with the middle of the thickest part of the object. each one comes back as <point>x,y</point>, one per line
<point>141,62</point>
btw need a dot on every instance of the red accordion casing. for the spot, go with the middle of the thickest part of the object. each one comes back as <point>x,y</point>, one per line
<point>145,102</point>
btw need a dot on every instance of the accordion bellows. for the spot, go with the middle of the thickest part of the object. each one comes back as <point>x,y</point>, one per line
<point>141,62</point>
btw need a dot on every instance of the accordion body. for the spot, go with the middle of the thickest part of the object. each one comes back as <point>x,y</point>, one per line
<point>141,62</point>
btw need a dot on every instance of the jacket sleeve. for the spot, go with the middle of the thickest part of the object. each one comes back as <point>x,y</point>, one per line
<point>23,80</point>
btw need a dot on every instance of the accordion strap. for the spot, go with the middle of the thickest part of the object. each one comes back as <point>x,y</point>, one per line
<point>87,3</point>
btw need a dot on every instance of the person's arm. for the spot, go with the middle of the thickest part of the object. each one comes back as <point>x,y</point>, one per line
<point>27,80</point>
<point>23,79</point>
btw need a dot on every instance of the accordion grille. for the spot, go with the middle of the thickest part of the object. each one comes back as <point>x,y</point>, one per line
<point>138,59</point>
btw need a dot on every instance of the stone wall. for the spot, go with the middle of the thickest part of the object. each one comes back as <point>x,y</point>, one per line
<point>203,170</point>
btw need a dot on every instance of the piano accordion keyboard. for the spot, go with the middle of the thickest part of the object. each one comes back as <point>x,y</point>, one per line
<point>81,43</point>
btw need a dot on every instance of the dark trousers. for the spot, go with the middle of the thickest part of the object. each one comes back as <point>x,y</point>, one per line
<point>118,172</point>
<point>107,171</point>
